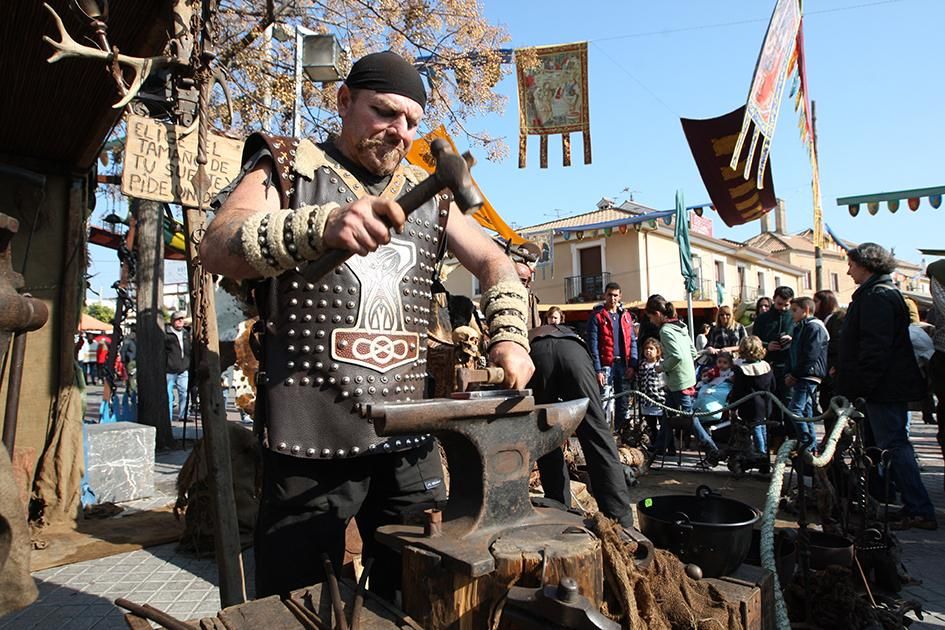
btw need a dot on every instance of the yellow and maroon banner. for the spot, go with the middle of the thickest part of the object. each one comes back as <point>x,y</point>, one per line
<point>419,155</point>
<point>736,199</point>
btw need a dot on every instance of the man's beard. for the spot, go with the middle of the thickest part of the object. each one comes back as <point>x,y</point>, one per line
<point>380,157</point>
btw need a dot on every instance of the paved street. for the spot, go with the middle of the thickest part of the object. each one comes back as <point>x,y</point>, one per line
<point>80,595</point>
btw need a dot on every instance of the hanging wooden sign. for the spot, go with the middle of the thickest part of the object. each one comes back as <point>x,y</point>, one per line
<point>160,162</point>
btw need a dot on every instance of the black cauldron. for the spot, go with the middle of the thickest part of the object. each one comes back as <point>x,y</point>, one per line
<point>706,529</point>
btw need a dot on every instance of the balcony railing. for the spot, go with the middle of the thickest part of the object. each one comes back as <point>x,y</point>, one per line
<point>585,288</point>
<point>705,291</point>
<point>745,293</point>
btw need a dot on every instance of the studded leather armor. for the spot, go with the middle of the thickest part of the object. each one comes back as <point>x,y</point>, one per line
<point>356,335</point>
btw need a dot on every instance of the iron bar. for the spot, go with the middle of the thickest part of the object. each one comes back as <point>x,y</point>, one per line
<point>153,614</point>
<point>17,355</point>
<point>337,604</point>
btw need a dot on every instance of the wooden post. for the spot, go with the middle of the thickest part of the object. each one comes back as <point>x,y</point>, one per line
<point>206,348</point>
<point>529,557</point>
<point>150,327</point>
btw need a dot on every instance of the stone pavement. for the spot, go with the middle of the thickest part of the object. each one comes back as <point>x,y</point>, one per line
<point>80,595</point>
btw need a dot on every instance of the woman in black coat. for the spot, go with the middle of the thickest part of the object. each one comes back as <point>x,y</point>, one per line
<point>876,362</point>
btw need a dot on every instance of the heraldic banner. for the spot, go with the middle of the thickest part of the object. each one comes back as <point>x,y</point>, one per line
<point>767,86</point>
<point>552,98</point>
<point>712,142</point>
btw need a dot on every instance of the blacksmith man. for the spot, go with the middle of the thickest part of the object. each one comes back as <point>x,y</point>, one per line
<point>358,334</point>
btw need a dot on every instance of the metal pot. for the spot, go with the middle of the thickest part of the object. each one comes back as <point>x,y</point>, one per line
<point>829,549</point>
<point>706,529</point>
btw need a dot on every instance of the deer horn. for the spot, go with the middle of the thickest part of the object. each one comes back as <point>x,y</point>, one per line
<point>68,47</point>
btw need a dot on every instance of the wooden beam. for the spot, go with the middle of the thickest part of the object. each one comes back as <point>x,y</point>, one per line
<point>206,348</point>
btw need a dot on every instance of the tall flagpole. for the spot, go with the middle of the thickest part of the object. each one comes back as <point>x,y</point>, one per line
<point>692,328</point>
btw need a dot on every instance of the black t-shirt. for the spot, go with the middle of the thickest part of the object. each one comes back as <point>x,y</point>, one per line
<point>375,184</point>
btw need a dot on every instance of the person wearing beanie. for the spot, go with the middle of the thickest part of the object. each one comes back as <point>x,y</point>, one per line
<point>331,344</point>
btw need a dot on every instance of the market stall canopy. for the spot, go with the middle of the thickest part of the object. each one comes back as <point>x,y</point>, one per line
<point>89,323</point>
<point>912,197</point>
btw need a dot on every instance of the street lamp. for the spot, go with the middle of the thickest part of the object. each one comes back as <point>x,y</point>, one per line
<point>318,55</point>
<point>321,57</point>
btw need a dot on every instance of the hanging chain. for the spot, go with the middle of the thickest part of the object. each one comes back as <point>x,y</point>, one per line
<point>202,57</point>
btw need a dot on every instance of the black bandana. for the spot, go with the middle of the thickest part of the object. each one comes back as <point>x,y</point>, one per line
<point>389,73</point>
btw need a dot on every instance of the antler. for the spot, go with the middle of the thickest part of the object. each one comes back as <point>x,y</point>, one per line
<point>68,47</point>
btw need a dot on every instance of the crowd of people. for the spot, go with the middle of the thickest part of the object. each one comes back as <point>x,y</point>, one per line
<point>92,350</point>
<point>802,349</point>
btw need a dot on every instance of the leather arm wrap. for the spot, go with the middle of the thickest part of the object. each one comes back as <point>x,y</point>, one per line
<point>274,242</point>
<point>505,306</point>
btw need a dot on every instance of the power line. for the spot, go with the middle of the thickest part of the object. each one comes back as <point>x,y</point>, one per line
<point>706,27</point>
<point>638,81</point>
<point>688,29</point>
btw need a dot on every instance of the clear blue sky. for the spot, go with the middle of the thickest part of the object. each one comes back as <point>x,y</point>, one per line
<point>874,72</point>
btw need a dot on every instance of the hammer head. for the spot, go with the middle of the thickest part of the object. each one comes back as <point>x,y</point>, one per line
<point>452,171</point>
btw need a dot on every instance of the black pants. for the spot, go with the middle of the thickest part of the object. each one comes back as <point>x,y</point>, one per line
<point>306,506</point>
<point>563,371</point>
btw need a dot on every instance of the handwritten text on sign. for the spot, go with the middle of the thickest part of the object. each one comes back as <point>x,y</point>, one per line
<point>160,165</point>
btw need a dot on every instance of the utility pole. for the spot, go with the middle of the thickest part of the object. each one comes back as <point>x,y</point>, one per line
<point>818,251</point>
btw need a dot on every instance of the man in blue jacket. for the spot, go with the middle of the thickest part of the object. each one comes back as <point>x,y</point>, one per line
<point>612,346</point>
<point>807,364</point>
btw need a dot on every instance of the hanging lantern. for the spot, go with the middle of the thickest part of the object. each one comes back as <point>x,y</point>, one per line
<point>935,201</point>
<point>854,209</point>
<point>893,205</point>
<point>623,228</point>
<point>873,207</point>
<point>913,203</point>
<point>699,211</point>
